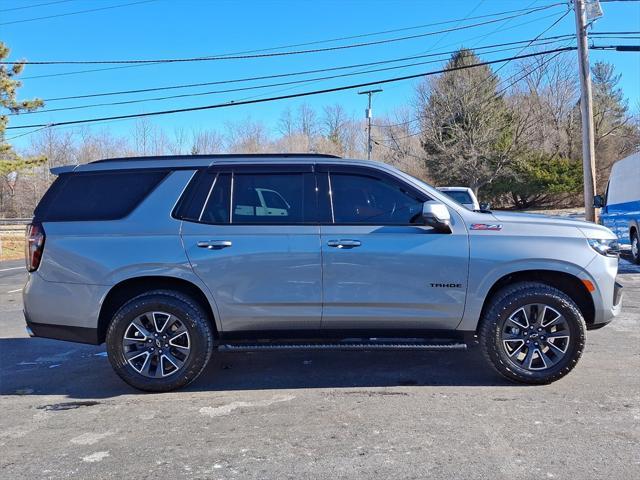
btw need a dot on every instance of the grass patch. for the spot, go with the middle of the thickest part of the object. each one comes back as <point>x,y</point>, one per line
<point>12,246</point>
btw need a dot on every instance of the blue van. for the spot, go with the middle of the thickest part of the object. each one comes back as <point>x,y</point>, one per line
<point>621,203</point>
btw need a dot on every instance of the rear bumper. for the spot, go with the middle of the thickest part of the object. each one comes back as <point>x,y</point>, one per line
<point>62,332</point>
<point>63,311</point>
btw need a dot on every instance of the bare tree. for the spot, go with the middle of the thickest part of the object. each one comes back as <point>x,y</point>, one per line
<point>248,136</point>
<point>206,141</point>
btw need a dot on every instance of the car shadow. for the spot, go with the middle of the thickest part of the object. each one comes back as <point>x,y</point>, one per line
<point>45,367</point>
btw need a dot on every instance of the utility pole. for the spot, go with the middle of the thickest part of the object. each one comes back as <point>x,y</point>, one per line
<point>586,111</point>
<point>369,115</point>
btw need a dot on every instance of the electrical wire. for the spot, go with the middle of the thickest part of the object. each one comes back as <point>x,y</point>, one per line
<point>272,54</point>
<point>494,96</point>
<point>94,70</point>
<point>256,87</point>
<point>284,97</point>
<point>76,13</point>
<point>33,6</point>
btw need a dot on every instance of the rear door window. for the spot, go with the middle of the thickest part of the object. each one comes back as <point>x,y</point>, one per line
<point>249,196</point>
<point>269,198</point>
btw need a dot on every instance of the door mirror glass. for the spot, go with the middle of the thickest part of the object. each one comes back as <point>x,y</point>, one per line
<point>598,201</point>
<point>485,207</point>
<point>436,215</point>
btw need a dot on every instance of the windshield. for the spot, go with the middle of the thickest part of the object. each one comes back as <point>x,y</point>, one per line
<point>459,196</point>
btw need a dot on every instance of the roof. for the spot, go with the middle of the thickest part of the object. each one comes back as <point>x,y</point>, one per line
<point>453,189</point>
<point>190,161</point>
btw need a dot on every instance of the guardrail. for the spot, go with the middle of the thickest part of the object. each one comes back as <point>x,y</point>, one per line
<point>14,221</point>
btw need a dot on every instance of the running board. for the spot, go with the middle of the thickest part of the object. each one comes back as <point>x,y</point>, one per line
<point>365,345</point>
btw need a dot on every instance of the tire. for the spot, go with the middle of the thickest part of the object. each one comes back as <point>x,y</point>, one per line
<point>511,328</point>
<point>635,246</point>
<point>159,341</point>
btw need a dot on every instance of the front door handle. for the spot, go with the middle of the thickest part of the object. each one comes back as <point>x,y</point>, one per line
<point>344,243</point>
<point>215,244</point>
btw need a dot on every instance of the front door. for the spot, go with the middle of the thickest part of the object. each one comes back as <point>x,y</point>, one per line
<point>251,236</point>
<point>383,268</point>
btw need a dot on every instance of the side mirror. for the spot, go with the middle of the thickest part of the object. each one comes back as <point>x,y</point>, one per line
<point>485,207</point>
<point>598,201</point>
<point>436,215</point>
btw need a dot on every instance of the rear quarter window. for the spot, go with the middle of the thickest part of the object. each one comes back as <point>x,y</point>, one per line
<point>96,195</point>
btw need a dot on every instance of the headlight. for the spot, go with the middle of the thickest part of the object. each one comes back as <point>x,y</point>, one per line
<point>606,247</point>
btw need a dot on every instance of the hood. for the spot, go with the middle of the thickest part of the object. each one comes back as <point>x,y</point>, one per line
<point>588,229</point>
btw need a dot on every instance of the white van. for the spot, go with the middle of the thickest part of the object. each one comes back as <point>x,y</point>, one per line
<point>621,203</point>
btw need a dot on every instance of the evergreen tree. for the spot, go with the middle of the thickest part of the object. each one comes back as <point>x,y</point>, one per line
<point>468,132</point>
<point>10,161</point>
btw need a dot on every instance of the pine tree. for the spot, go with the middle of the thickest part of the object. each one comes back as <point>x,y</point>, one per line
<point>467,126</point>
<point>10,161</point>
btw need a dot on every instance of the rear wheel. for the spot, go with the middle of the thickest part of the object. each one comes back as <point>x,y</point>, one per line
<point>635,246</point>
<point>159,341</point>
<point>532,333</point>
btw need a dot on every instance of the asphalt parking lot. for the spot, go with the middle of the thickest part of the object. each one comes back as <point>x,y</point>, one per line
<point>65,414</point>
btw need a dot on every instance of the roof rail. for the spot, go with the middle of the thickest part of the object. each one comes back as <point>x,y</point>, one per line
<point>220,156</point>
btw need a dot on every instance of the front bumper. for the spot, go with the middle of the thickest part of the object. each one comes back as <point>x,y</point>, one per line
<point>607,297</point>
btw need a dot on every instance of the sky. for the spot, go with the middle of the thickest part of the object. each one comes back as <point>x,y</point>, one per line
<point>155,29</point>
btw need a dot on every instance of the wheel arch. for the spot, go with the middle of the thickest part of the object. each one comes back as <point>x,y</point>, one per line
<point>132,287</point>
<point>563,281</point>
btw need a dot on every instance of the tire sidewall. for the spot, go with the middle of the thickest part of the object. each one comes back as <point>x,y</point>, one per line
<point>635,238</point>
<point>575,322</point>
<point>199,336</point>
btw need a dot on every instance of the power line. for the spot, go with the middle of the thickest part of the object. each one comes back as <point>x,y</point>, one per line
<point>75,13</point>
<point>94,70</point>
<point>27,133</point>
<point>285,97</point>
<point>32,6</point>
<point>542,41</point>
<point>492,97</point>
<point>536,38</point>
<point>273,54</point>
<point>256,87</point>
<point>408,122</point>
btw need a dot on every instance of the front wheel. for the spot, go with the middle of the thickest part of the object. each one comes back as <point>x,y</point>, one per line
<point>532,333</point>
<point>159,341</point>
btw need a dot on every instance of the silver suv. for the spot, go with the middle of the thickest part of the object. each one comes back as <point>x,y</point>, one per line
<point>170,259</point>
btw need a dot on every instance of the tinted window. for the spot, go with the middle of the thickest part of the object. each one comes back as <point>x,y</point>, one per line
<point>218,200</point>
<point>191,203</point>
<point>269,198</point>
<point>459,196</point>
<point>369,200</point>
<point>96,196</point>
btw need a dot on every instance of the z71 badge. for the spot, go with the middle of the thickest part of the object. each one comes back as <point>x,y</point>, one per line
<point>486,226</point>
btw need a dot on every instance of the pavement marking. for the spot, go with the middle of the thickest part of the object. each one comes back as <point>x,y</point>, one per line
<point>89,438</point>
<point>14,291</point>
<point>228,408</point>
<point>12,268</point>
<point>95,457</point>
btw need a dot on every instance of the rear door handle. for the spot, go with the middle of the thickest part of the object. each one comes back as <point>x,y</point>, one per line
<point>344,243</point>
<point>215,244</point>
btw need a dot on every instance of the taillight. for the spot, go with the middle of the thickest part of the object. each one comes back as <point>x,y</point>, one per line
<point>34,245</point>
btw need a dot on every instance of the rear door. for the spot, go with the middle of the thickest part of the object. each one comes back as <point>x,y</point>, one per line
<point>251,235</point>
<point>383,268</point>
